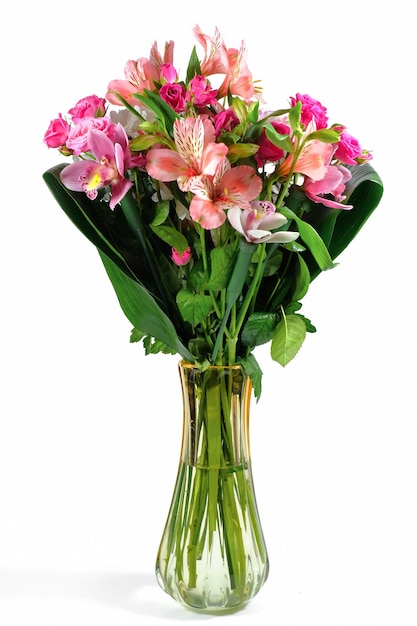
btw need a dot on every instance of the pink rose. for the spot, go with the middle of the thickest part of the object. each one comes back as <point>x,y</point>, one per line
<point>181,258</point>
<point>57,133</point>
<point>225,121</point>
<point>348,149</point>
<point>267,150</point>
<point>91,106</point>
<point>174,95</point>
<point>311,109</point>
<point>78,136</point>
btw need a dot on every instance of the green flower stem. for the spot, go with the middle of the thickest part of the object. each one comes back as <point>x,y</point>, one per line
<point>212,549</point>
<point>253,287</point>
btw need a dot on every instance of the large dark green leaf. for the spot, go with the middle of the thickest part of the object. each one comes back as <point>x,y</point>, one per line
<point>79,209</point>
<point>364,191</point>
<point>338,227</point>
<point>142,310</point>
<point>112,232</point>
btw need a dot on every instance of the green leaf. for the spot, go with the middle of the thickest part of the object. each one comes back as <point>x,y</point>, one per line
<point>172,237</point>
<point>253,112</point>
<point>326,135</point>
<point>161,212</point>
<point>142,310</point>
<point>221,266</point>
<point>288,338</point>
<point>78,208</point>
<point>302,279</point>
<point>279,140</point>
<point>364,191</point>
<point>194,307</point>
<point>312,240</point>
<point>251,368</point>
<point>259,329</point>
<point>193,67</point>
<point>164,113</point>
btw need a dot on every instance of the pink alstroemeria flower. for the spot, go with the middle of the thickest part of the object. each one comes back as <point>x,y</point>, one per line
<point>312,161</point>
<point>215,53</point>
<point>257,222</point>
<point>112,161</point>
<point>229,187</point>
<point>332,183</point>
<point>140,75</point>
<point>238,80</point>
<point>197,154</point>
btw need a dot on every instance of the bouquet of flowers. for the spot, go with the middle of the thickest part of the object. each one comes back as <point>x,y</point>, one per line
<point>212,213</point>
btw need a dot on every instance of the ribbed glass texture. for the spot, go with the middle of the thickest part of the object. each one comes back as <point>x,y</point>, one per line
<point>212,554</point>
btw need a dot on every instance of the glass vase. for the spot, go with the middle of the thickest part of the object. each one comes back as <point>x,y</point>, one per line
<point>212,555</point>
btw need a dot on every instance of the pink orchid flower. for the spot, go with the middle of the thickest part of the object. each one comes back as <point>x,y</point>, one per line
<point>197,154</point>
<point>332,183</point>
<point>257,222</point>
<point>112,160</point>
<point>229,187</point>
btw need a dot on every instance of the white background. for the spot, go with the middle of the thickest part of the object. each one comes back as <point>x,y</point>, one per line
<point>90,428</point>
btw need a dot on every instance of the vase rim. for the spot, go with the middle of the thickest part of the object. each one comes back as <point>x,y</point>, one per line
<point>190,366</point>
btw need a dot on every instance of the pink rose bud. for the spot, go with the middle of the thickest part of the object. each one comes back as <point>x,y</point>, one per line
<point>181,258</point>
<point>57,133</point>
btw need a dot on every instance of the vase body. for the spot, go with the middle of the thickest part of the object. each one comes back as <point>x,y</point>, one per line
<point>212,554</point>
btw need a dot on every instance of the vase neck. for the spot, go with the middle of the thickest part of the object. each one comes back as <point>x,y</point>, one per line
<point>216,406</point>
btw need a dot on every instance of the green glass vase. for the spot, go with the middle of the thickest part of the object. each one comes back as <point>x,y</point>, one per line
<point>212,555</point>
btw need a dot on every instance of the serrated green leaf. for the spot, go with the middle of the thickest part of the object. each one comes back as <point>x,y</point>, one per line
<point>194,307</point>
<point>288,339</point>
<point>161,212</point>
<point>259,329</point>
<point>172,237</point>
<point>221,267</point>
<point>251,368</point>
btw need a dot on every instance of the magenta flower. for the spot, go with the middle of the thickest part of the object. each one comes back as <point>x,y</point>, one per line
<point>200,93</point>
<point>332,183</point>
<point>269,152</point>
<point>257,222</point>
<point>311,109</point>
<point>181,258</point>
<point>112,161</point>
<point>349,151</point>
<point>174,95</point>
<point>57,133</point>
